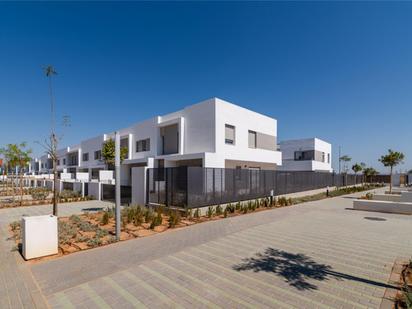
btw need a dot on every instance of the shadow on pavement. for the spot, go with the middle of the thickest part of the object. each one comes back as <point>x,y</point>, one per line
<point>297,269</point>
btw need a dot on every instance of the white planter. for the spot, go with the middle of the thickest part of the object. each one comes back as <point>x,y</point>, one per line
<point>39,236</point>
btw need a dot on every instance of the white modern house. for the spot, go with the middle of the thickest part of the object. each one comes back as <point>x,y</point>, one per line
<point>212,133</point>
<point>310,154</point>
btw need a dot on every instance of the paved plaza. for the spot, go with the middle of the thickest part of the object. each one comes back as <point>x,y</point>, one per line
<point>313,255</point>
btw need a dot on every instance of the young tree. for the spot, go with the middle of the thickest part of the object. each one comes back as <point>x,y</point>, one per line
<point>369,172</point>
<point>51,147</point>
<point>7,153</point>
<point>108,153</point>
<point>392,159</point>
<point>356,168</point>
<point>21,157</point>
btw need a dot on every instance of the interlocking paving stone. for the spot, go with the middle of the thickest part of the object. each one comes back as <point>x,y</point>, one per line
<point>314,255</point>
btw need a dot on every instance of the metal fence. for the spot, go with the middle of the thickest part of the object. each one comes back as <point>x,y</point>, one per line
<point>197,187</point>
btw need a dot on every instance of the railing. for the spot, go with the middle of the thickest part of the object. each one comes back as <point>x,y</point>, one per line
<point>197,187</point>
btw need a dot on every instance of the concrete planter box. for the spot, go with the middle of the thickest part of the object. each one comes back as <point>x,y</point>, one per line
<point>39,236</point>
<point>383,206</point>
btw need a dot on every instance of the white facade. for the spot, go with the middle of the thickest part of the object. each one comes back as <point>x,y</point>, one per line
<point>193,136</point>
<point>311,154</point>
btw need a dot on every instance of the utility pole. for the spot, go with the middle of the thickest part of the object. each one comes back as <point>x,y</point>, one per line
<point>117,182</point>
<point>339,158</point>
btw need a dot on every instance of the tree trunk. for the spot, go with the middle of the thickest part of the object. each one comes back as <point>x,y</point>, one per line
<point>390,183</point>
<point>21,188</point>
<point>55,211</point>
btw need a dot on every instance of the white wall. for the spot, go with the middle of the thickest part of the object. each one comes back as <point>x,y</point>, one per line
<point>243,120</point>
<point>90,146</point>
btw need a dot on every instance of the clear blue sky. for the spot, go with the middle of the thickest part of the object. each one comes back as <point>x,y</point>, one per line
<point>338,71</point>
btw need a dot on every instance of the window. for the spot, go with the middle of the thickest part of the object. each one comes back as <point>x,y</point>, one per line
<point>86,156</point>
<point>98,155</point>
<point>143,145</point>
<point>229,134</point>
<point>304,155</point>
<point>323,157</point>
<point>328,157</point>
<point>64,161</point>
<point>58,162</point>
<point>252,139</point>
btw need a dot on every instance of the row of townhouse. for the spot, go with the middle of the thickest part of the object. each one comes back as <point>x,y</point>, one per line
<point>213,133</point>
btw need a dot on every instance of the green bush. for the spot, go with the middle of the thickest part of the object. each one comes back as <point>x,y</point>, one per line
<point>238,206</point>
<point>67,232</point>
<point>210,212</point>
<point>67,194</point>
<point>174,218</point>
<point>225,213</point>
<point>105,218</point>
<point>86,226</point>
<point>75,219</point>
<point>156,220</point>
<point>148,216</point>
<point>230,208</point>
<point>197,213</point>
<point>39,194</point>
<point>219,210</point>
<point>94,242</point>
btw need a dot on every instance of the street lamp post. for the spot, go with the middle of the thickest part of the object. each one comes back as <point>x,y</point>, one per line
<point>117,182</point>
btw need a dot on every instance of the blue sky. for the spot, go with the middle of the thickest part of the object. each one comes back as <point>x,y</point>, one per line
<point>338,71</point>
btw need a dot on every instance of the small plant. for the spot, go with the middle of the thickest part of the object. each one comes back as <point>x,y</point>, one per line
<point>105,218</point>
<point>66,232</point>
<point>75,219</point>
<point>244,208</point>
<point>174,218</point>
<point>101,233</point>
<point>15,225</point>
<point>148,216</point>
<point>188,213</point>
<point>218,210</point>
<point>39,194</point>
<point>94,242</point>
<point>225,213</point>
<point>156,220</point>
<point>197,213</point>
<point>86,226</point>
<point>230,208</point>
<point>238,206</point>
<point>210,212</point>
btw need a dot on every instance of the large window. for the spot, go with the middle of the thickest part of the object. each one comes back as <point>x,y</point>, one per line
<point>86,156</point>
<point>98,155</point>
<point>304,155</point>
<point>143,145</point>
<point>252,139</point>
<point>328,157</point>
<point>230,134</point>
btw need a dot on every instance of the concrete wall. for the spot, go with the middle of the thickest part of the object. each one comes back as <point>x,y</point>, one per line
<point>95,190</point>
<point>383,206</point>
<point>139,185</point>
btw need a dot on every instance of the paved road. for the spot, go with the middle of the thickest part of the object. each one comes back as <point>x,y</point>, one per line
<point>314,255</point>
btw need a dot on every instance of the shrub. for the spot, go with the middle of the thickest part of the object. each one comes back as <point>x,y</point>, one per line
<point>67,194</point>
<point>15,225</point>
<point>238,206</point>
<point>75,219</point>
<point>225,213</point>
<point>188,213</point>
<point>66,232</point>
<point>101,233</point>
<point>174,218</point>
<point>156,220</point>
<point>39,194</point>
<point>230,208</point>
<point>94,242</point>
<point>148,216</point>
<point>218,210</point>
<point>105,218</point>
<point>210,212</point>
<point>244,209</point>
<point>86,226</point>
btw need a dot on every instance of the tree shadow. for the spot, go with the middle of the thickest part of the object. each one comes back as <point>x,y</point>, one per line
<point>297,269</point>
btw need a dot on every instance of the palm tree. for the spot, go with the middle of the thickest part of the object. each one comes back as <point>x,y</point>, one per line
<point>392,159</point>
<point>52,146</point>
